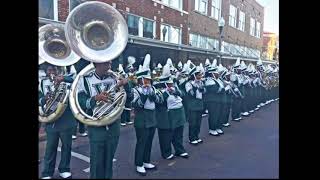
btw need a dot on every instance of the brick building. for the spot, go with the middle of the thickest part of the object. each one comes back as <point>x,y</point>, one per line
<point>270,46</point>
<point>180,29</point>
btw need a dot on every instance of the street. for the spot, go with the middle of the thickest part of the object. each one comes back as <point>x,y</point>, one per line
<point>248,149</point>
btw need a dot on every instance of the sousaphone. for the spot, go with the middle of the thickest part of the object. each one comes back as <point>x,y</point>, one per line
<point>98,33</point>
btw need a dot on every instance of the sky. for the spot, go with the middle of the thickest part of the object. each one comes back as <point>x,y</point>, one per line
<point>271,15</point>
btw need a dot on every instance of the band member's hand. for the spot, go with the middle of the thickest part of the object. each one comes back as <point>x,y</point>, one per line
<point>103,96</point>
<point>47,97</point>
<point>170,89</point>
<point>59,78</point>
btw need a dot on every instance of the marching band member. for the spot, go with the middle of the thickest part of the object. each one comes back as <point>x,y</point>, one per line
<point>237,81</point>
<point>195,90</point>
<point>244,88</point>
<point>180,66</point>
<point>182,79</point>
<point>276,83</point>
<point>262,90</point>
<point>125,116</point>
<point>170,129</point>
<point>213,99</point>
<point>207,64</point>
<point>252,88</point>
<point>82,130</point>
<point>157,74</point>
<point>41,75</point>
<point>60,129</point>
<point>228,96</point>
<point>257,82</point>
<point>103,140</point>
<point>144,100</point>
<point>269,82</point>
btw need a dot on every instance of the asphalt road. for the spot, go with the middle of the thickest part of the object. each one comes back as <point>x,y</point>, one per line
<point>248,149</point>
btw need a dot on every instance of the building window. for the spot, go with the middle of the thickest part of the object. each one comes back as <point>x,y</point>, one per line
<point>232,16</point>
<point>203,42</point>
<point>141,27</point>
<point>252,26</point>
<point>215,9</point>
<point>258,30</point>
<point>48,9</point>
<point>210,44</point>
<point>201,6</point>
<point>193,40</point>
<point>177,4</point>
<point>170,34</point>
<point>225,47</point>
<point>242,19</point>
<point>148,28</point>
<point>175,35</point>
<point>133,25</point>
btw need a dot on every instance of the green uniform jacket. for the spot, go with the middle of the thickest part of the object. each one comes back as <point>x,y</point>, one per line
<point>98,133</point>
<point>194,104</point>
<point>184,95</point>
<point>173,118</point>
<point>162,116</point>
<point>212,94</point>
<point>66,121</point>
<point>145,118</point>
<point>128,89</point>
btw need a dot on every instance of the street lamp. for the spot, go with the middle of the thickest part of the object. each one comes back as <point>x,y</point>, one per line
<point>221,25</point>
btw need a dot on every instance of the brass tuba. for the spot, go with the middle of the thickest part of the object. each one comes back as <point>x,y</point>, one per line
<point>54,49</point>
<point>98,33</point>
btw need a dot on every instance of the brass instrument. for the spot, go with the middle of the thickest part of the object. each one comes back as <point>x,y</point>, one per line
<point>54,49</point>
<point>98,33</point>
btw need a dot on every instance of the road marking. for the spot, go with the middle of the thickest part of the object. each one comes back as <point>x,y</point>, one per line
<point>82,157</point>
<point>79,156</point>
<point>172,163</point>
<point>87,170</point>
